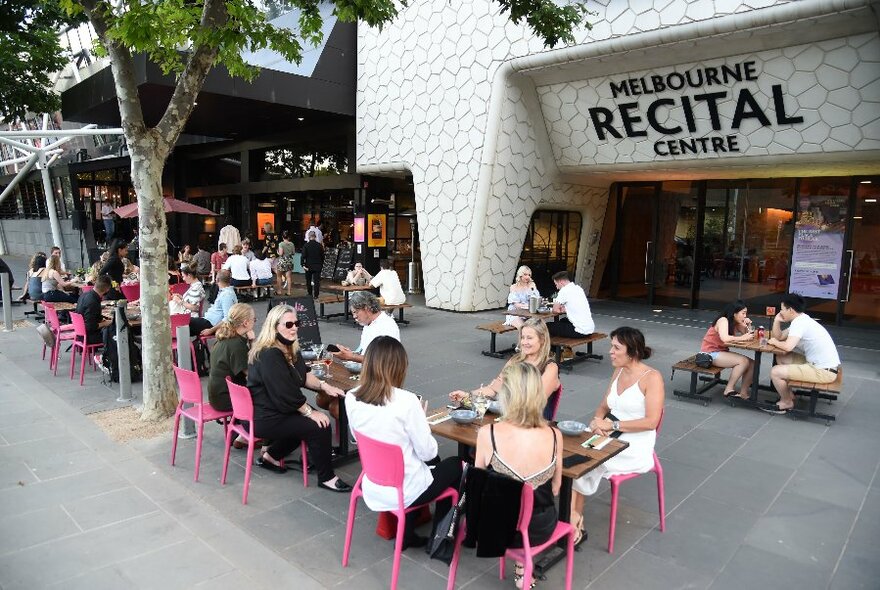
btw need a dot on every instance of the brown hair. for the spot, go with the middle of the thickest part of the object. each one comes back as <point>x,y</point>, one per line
<point>385,364</point>
<point>634,341</point>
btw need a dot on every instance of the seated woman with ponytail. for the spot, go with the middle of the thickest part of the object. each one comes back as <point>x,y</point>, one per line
<point>229,357</point>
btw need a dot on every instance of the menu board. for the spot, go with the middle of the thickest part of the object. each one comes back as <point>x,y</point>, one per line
<point>342,263</point>
<point>308,332</point>
<point>330,255</point>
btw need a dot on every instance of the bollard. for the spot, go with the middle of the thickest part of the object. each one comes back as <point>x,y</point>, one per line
<point>184,361</point>
<point>124,361</point>
<point>7,302</point>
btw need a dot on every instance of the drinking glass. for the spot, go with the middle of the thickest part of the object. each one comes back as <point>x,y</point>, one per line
<point>481,404</point>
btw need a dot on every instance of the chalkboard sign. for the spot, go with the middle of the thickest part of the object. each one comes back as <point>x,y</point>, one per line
<point>308,332</point>
<point>330,255</point>
<point>342,264</point>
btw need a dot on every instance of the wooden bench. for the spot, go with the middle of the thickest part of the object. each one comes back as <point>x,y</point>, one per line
<point>399,307</point>
<point>494,329</point>
<point>327,299</point>
<point>815,392</point>
<point>696,371</point>
<point>258,292</point>
<point>559,343</point>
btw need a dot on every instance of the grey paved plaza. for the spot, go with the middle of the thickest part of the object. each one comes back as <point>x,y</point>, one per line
<point>753,500</point>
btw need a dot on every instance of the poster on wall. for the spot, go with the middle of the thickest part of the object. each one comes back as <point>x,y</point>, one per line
<point>262,220</point>
<point>359,229</point>
<point>818,246</point>
<point>376,230</point>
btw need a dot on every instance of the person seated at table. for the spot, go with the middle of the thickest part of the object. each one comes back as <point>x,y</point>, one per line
<point>218,258</point>
<point>633,406</point>
<point>358,275</point>
<point>246,250</point>
<point>191,301</point>
<point>53,272</point>
<point>810,354</point>
<point>261,270</point>
<point>131,271</point>
<point>367,312</point>
<point>276,374</point>
<point>534,349</point>
<point>520,291</point>
<point>89,306</point>
<point>237,265</point>
<point>185,257</point>
<point>219,311</point>
<point>95,270</point>
<point>523,443</point>
<point>202,262</point>
<point>732,325</point>
<point>390,291</point>
<point>229,355</point>
<point>56,251</point>
<point>572,301</point>
<point>56,295</point>
<point>382,410</point>
<point>35,273</point>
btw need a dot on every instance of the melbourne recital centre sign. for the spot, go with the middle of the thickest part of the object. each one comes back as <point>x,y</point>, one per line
<point>720,98</point>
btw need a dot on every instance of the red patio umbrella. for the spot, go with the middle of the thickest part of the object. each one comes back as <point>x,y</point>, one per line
<point>171,205</point>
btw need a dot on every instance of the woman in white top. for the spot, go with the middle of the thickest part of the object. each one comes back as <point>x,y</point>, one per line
<point>383,411</point>
<point>358,275</point>
<point>261,270</point>
<point>633,406</point>
<point>520,291</point>
<point>191,301</point>
<point>238,266</point>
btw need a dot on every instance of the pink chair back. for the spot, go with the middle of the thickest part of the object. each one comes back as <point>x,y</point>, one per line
<point>131,292</point>
<point>382,462</point>
<point>179,289</point>
<point>178,320</point>
<point>79,325</point>
<point>86,288</point>
<point>526,506</point>
<point>242,404</point>
<point>190,386</point>
<point>51,317</point>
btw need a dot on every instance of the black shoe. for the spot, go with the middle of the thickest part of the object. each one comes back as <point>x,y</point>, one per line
<point>340,486</point>
<point>271,466</point>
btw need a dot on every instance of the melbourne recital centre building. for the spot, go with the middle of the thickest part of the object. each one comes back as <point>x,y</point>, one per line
<point>679,154</point>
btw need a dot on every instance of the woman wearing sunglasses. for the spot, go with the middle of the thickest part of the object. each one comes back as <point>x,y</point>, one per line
<point>276,375</point>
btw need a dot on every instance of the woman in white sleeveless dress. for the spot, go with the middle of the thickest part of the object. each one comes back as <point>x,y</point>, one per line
<point>633,405</point>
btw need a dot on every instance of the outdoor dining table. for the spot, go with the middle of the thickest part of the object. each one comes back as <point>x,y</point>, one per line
<point>758,348</point>
<point>543,315</point>
<point>340,377</point>
<point>132,311</point>
<point>345,290</point>
<point>466,436</point>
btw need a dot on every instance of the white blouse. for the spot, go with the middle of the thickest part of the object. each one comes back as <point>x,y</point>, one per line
<point>402,422</point>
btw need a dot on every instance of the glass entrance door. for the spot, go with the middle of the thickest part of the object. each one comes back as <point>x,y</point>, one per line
<point>860,289</point>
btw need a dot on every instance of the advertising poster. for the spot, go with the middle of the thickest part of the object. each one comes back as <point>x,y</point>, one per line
<point>818,246</point>
<point>359,230</point>
<point>376,230</point>
<point>262,220</point>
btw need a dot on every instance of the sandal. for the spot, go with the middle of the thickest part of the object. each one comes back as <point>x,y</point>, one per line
<point>518,574</point>
<point>578,524</point>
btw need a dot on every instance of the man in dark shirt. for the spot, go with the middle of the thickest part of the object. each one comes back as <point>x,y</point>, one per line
<point>89,307</point>
<point>115,267</point>
<point>313,262</point>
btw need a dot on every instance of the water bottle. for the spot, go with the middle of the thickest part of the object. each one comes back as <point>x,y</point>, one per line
<point>762,336</point>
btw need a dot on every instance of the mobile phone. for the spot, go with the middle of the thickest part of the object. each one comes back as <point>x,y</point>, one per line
<point>573,460</point>
<point>332,348</point>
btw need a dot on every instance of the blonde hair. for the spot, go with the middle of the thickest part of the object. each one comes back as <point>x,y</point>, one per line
<point>540,328</point>
<point>266,337</point>
<point>54,263</point>
<point>238,315</point>
<point>521,271</point>
<point>522,395</point>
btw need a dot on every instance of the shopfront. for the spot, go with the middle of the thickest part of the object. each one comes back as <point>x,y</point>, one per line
<point>707,243</point>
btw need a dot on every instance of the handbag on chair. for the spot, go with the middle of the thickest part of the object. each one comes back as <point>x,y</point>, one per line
<point>441,543</point>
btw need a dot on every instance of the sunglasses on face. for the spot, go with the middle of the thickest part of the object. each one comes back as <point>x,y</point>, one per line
<point>289,325</point>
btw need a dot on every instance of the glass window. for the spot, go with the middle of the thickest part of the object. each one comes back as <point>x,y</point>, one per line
<point>551,245</point>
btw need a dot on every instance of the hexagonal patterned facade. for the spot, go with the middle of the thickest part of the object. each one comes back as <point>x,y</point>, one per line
<point>493,126</point>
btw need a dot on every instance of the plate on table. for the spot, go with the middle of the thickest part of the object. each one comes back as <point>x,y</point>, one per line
<point>463,416</point>
<point>571,427</point>
<point>494,407</point>
<point>352,366</point>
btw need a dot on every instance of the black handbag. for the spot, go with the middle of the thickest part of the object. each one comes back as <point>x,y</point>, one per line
<point>703,360</point>
<point>441,544</point>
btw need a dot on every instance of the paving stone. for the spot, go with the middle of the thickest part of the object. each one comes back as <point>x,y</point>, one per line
<point>21,531</point>
<point>109,508</point>
<point>637,569</point>
<point>703,449</point>
<point>754,568</point>
<point>177,566</point>
<point>746,483</point>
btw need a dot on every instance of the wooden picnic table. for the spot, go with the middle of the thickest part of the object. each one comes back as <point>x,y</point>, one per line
<point>466,436</point>
<point>345,290</point>
<point>544,315</point>
<point>758,348</point>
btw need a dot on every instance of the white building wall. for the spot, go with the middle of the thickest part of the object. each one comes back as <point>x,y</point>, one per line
<point>437,98</point>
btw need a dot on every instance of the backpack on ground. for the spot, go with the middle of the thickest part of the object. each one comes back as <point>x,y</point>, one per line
<point>110,356</point>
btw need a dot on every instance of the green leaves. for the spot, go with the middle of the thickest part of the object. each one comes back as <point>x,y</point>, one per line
<point>550,21</point>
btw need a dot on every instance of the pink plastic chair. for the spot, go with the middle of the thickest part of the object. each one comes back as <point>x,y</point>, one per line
<point>200,412</point>
<point>80,342</point>
<point>178,320</point>
<point>243,410</point>
<point>178,289</point>
<point>526,554</point>
<point>383,464</point>
<point>85,289</point>
<point>61,331</point>
<point>131,292</point>
<point>616,480</point>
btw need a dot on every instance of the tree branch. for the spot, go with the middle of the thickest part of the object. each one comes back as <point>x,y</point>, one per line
<point>191,80</point>
<point>123,71</point>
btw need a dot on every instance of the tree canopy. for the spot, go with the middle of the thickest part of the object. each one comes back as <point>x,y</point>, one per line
<point>29,52</point>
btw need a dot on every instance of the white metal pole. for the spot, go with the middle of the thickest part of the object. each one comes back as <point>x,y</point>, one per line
<point>57,237</point>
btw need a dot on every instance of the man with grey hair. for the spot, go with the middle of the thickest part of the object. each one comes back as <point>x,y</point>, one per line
<point>367,312</point>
